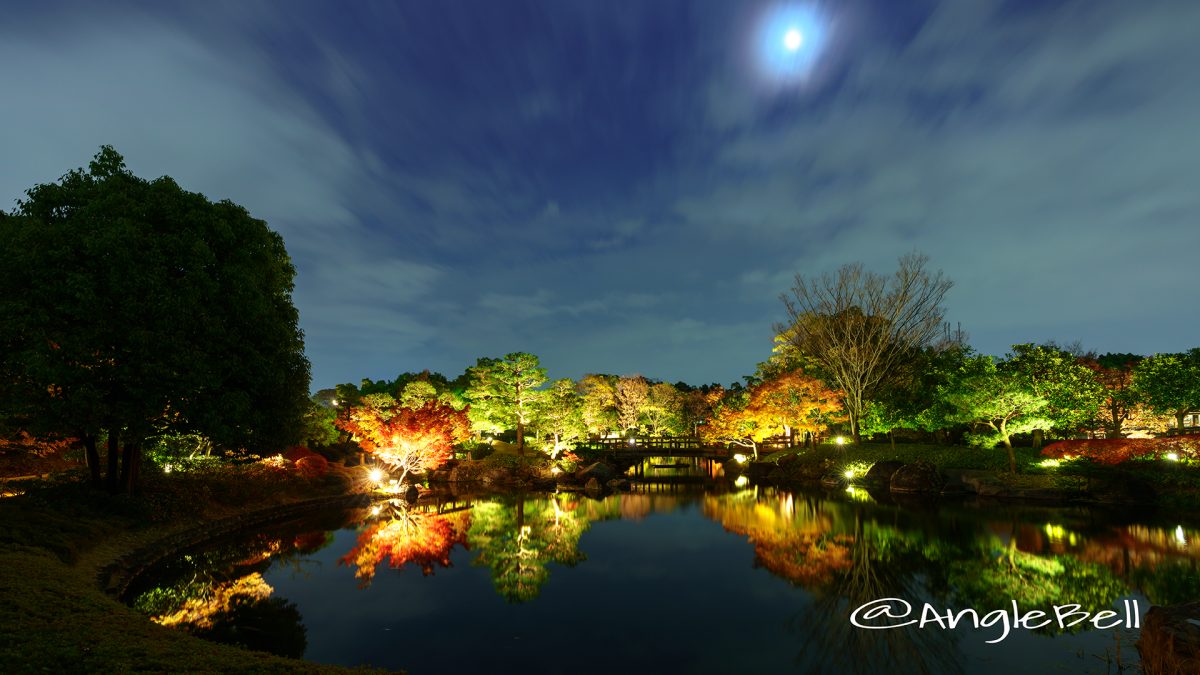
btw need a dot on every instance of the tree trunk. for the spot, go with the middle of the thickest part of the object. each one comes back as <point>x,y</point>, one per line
<point>892,440</point>
<point>131,465</point>
<point>1012,459</point>
<point>520,438</point>
<point>93,459</point>
<point>1179,421</point>
<point>1118,420</point>
<point>1039,437</point>
<point>114,450</point>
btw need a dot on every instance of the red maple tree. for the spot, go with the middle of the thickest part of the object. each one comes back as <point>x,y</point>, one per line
<point>405,439</point>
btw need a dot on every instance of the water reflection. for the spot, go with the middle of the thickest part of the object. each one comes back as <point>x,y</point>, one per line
<point>837,551</point>
<point>220,593</point>
<point>516,538</point>
<point>404,534</point>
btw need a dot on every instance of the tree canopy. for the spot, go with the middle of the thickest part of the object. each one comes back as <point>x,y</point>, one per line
<point>133,306</point>
<point>504,393</point>
<point>1170,383</point>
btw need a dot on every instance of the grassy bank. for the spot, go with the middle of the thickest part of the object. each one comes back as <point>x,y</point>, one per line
<point>57,538</point>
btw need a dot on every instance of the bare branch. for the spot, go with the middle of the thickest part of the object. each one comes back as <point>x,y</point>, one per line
<point>860,326</point>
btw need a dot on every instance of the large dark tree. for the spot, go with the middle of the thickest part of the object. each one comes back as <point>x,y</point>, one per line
<point>130,307</point>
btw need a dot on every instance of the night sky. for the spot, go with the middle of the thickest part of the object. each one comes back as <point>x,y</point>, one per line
<point>628,186</point>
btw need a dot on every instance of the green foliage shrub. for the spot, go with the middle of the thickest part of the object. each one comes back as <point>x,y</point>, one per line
<point>480,450</point>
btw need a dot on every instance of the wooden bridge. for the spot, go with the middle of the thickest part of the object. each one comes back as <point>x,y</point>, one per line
<point>673,446</point>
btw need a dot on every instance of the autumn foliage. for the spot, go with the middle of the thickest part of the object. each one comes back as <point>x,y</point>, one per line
<point>788,400</point>
<point>406,439</point>
<point>1117,450</point>
<point>307,462</point>
<point>422,539</point>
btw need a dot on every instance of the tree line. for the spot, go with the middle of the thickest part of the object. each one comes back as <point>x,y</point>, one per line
<point>133,309</point>
<point>865,352</point>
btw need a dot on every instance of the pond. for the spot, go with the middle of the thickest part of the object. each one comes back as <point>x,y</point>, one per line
<point>679,577</point>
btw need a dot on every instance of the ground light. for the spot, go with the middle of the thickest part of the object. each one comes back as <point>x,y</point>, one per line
<point>840,440</point>
<point>376,475</point>
<point>739,458</point>
<point>1173,456</point>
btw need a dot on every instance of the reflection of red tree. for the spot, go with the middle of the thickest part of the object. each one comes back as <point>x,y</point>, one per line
<point>424,539</point>
<point>809,560</point>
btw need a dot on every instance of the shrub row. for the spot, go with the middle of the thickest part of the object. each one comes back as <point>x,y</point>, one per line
<point>1117,450</point>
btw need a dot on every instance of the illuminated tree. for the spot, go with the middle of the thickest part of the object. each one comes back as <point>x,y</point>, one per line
<point>1114,372</point>
<point>1170,383</point>
<point>662,410</point>
<point>694,410</point>
<point>858,327</point>
<point>559,416</point>
<point>319,421</point>
<point>417,393</point>
<point>982,395</point>
<point>504,393</point>
<point>405,439</point>
<point>630,396</point>
<point>788,401</point>
<point>907,399</point>
<point>1072,394</point>
<point>797,403</point>
<point>132,307</point>
<point>599,402</point>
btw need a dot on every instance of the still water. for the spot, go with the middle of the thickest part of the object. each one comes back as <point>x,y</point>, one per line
<point>680,578</point>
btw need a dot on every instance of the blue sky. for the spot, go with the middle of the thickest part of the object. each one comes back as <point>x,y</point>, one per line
<point>626,187</point>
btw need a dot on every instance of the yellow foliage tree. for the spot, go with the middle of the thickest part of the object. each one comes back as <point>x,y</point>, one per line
<point>790,402</point>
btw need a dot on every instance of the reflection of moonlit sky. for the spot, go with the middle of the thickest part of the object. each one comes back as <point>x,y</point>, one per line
<point>789,41</point>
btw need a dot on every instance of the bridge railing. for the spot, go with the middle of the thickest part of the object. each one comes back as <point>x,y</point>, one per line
<point>644,443</point>
<point>650,444</point>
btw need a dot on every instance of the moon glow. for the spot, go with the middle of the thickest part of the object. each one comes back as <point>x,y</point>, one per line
<point>788,41</point>
<point>793,39</point>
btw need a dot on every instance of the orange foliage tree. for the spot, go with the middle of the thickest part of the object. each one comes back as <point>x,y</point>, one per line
<point>405,439</point>
<point>787,402</point>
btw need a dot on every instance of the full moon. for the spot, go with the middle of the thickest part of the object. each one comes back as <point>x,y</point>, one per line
<point>793,39</point>
<point>789,41</point>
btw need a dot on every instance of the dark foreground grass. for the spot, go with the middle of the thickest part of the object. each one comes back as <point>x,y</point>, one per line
<point>55,540</point>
